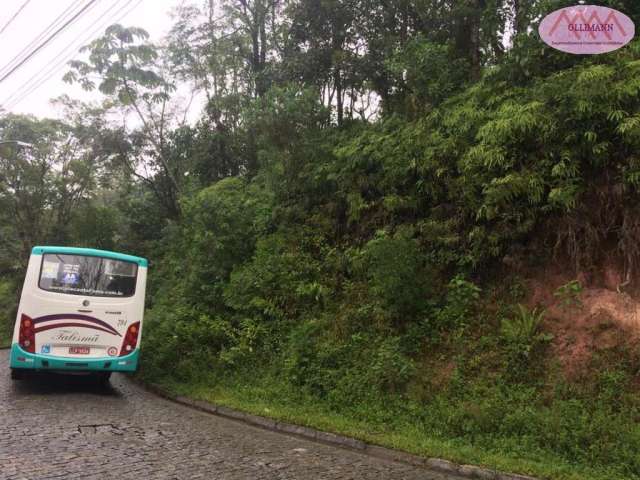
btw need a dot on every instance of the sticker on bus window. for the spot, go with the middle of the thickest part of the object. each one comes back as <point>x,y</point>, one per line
<point>70,278</point>
<point>70,274</point>
<point>50,270</point>
<point>46,348</point>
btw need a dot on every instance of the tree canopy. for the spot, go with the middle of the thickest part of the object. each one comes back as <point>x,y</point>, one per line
<point>355,210</point>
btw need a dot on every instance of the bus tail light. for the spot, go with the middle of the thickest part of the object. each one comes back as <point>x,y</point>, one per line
<point>27,338</point>
<point>130,339</point>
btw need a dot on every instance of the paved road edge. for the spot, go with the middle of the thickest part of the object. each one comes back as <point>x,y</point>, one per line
<point>441,465</point>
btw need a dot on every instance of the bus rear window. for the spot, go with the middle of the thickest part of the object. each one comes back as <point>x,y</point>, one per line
<point>86,275</point>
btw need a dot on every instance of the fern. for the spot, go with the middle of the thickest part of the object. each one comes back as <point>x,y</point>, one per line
<point>523,326</point>
<point>522,332</point>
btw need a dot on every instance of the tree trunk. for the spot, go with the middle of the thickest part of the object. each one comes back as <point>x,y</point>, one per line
<point>337,80</point>
<point>474,41</point>
<point>519,18</point>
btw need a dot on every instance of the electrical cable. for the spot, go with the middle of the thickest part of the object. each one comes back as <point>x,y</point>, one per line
<point>22,94</point>
<point>39,37</point>
<point>15,15</point>
<point>51,37</point>
<point>43,76</point>
<point>68,51</point>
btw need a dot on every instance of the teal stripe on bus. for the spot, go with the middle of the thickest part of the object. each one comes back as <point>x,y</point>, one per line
<point>91,252</point>
<point>33,361</point>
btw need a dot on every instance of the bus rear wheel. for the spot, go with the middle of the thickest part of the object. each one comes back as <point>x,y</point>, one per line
<point>103,378</point>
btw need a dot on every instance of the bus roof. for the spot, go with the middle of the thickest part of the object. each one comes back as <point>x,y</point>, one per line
<point>92,253</point>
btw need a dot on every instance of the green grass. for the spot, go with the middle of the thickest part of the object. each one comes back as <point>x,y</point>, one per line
<point>8,308</point>
<point>485,392</point>
<point>389,427</point>
<point>5,339</point>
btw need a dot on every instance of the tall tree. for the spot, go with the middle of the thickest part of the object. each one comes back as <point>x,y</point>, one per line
<point>42,185</point>
<point>130,73</point>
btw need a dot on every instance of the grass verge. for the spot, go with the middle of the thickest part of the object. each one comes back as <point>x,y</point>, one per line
<point>387,426</point>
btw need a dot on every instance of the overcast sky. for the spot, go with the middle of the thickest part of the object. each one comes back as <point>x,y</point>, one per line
<point>30,87</point>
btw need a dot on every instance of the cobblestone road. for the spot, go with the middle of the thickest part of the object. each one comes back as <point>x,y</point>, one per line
<point>57,427</point>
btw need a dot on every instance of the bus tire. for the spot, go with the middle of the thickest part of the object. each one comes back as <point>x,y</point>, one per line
<point>17,374</point>
<point>103,378</point>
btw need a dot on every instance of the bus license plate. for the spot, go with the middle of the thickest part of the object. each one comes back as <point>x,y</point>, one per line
<point>79,350</point>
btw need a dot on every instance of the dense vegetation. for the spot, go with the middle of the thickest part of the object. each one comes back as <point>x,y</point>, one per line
<point>343,236</point>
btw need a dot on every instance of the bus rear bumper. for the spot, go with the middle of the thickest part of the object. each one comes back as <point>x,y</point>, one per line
<point>25,360</point>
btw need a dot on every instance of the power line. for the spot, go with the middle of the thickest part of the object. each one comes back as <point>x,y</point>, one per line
<point>68,51</point>
<point>39,37</point>
<point>54,61</point>
<point>66,13</point>
<point>51,37</point>
<point>4,27</point>
<point>43,76</point>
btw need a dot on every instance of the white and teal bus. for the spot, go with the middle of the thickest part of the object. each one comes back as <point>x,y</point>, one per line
<point>80,311</point>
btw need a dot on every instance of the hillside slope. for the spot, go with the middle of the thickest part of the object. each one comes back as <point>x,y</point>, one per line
<point>443,284</point>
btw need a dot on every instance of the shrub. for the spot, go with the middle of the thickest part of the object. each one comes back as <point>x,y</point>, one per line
<point>521,334</point>
<point>279,281</point>
<point>396,271</point>
<point>220,229</point>
<point>569,294</point>
<point>460,302</point>
<point>184,342</point>
<point>8,307</point>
